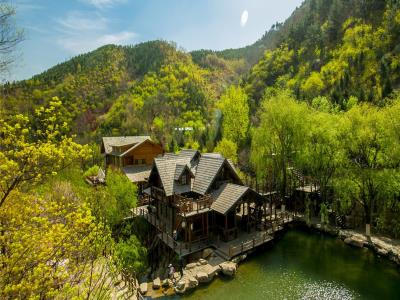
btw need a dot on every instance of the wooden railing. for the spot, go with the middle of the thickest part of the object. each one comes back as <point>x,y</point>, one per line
<point>187,205</point>
<point>246,246</point>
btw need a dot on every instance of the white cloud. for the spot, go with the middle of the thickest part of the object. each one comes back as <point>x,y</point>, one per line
<point>78,21</point>
<point>116,38</point>
<point>81,32</point>
<point>82,44</point>
<point>103,3</point>
<point>244,18</point>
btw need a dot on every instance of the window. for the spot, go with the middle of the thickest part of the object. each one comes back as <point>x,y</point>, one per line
<point>143,161</point>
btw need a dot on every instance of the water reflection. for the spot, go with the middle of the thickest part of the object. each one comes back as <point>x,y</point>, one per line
<point>304,265</point>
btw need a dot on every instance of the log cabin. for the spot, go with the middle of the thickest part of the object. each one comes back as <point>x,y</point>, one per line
<point>199,198</point>
<point>134,155</point>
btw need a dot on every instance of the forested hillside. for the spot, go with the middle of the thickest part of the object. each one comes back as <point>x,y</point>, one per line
<point>317,94</point>
<point>117,83</point>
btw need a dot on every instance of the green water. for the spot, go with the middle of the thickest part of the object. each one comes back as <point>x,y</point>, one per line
<point>305,265</point>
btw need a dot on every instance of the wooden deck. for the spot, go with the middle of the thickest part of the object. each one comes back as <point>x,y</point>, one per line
<point>244,243</point>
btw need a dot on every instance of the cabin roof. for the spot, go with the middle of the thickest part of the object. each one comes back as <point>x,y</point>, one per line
<point>204,168</point>
<point>166,167</point>
<point>207,169</point>
<point>180,168</point>
<point>137,173</point>
<point>139,144</point>
<point>227,196</point>
<point>118,141</point>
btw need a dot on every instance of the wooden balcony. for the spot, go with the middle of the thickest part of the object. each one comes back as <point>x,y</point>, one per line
<point>189,206</point>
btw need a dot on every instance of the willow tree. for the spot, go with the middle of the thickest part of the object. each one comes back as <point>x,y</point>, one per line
<point>321,155</point>
<point>364,140</point>
<point>281,134</point>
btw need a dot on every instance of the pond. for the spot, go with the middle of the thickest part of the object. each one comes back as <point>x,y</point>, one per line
<point>305,265</point>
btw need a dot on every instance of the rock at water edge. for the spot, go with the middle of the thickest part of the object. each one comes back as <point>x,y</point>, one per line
<point>143,288</point>
<point>207,252</point>
<point>156,283</point>
<point>166,283</point>
<point>190,266</point>
<point>202,277</point>
<point>228,268</point>
<point>192,282</point>
<point>353,241</point>
<point>203,261</point>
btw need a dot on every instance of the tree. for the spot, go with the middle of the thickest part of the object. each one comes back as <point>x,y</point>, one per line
<point>32,150</point>
<point>121,197</point>
<point>130,260</point>
<point>228,149</point>
<point>10,36</point>
<point>235,114</point>
<point>51,247</point>
<point>321,154</point>
<point>364,141</point>
<point>280,135</point>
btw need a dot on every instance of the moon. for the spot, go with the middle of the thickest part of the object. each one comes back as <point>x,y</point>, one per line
<point>244,18</point>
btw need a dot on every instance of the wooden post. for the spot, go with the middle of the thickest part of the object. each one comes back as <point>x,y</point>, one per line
<point>190,237</point>
<point>242,247</point>
<point>226,226</point>
<point>202,223</point>
<point>208,237</point>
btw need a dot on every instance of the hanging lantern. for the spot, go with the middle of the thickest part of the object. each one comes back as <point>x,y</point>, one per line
<point>183,224</point>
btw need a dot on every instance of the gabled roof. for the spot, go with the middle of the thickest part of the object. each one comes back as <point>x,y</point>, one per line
<point>139,144</point>
<point>166,167</point>
<point>227,196</point>
<point>180,168</point>
<point>119,141</point>
<point>206,171</point>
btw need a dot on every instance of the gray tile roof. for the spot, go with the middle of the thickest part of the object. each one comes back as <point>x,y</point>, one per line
<point>118,141</point>
<point>206,171</point>
<point>179,170</point>
<point>137,173</point>
<point>166,167</point>
<point>227,196</point>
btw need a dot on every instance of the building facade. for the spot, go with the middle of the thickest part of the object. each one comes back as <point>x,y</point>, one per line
<point>134,155</point>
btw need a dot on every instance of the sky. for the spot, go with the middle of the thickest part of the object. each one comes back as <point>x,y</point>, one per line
<point>56,30</point>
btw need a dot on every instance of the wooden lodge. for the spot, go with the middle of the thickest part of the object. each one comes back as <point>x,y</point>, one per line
<point>134,155</point>
<point>198,200</point>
